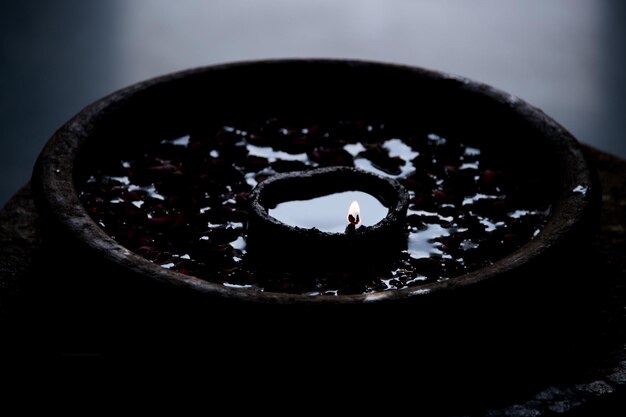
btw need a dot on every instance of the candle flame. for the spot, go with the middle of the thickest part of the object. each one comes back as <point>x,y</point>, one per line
<point>354,213</point>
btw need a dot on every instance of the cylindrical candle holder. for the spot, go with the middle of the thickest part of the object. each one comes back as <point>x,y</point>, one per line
<point>274,242</point>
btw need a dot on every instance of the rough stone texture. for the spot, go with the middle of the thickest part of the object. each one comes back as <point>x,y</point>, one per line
<point>599,390</point>
<point>20,237</point>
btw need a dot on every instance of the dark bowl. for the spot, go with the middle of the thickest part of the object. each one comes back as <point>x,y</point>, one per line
<point>163,107</point>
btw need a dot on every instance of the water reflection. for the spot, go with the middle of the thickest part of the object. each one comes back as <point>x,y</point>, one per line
<point>328,213</point>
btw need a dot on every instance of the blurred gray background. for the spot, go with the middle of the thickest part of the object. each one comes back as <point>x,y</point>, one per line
<point>564,56</point>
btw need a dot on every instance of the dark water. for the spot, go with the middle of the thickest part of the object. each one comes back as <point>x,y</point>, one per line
<point>183,202</point>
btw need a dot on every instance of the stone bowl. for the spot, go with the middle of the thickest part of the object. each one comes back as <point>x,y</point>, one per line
<point>324,89</point>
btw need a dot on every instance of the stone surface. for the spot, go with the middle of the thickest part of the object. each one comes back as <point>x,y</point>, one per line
<point>20,237</point>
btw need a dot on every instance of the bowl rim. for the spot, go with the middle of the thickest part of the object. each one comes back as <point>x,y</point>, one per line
<point>57,199</point>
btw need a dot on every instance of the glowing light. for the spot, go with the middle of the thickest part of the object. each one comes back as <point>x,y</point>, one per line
<point>354,213</point>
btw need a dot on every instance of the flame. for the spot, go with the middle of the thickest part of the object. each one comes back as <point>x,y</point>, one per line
<point>354,213</point>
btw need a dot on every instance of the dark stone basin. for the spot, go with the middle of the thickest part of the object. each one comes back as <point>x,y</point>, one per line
<point>523,136</point>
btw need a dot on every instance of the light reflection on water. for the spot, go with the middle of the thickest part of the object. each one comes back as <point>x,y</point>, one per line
<point>329,213</point>
<point>421,244</point>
